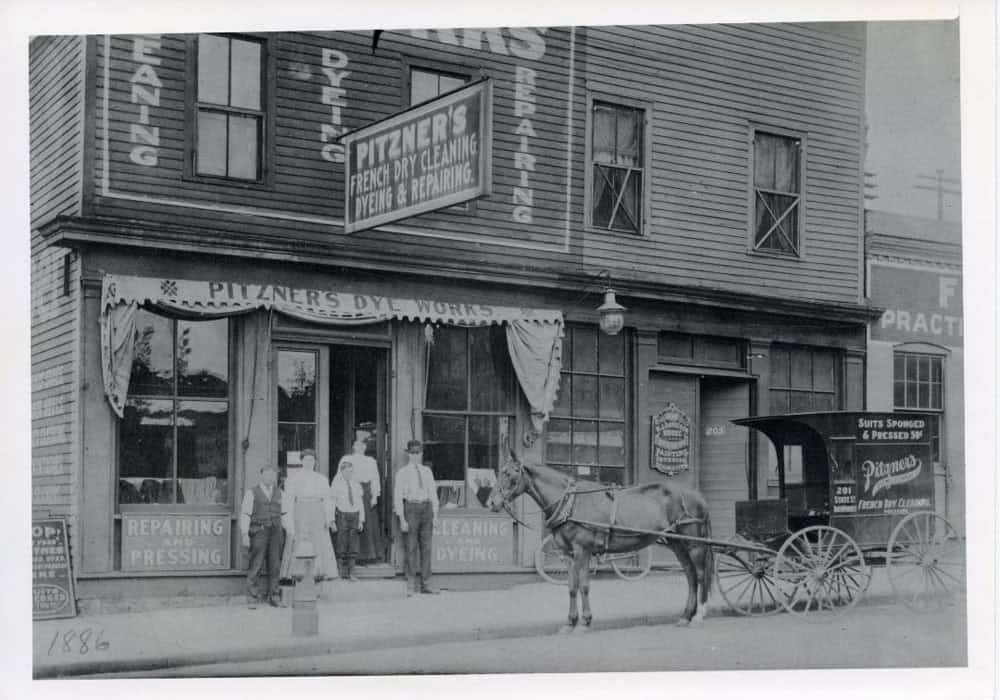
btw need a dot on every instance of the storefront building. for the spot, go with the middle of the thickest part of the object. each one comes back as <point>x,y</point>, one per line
<point>201,309</point>
<point>915,350</point>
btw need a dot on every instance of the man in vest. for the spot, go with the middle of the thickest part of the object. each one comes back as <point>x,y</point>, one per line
<point>415,502</point>
<point>260,525</point>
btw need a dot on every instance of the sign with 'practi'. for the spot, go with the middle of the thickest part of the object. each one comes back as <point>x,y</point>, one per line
<point>431,156</point>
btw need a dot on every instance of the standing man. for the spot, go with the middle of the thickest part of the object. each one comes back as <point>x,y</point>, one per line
<point>415,502</point>
<point>260,525</point>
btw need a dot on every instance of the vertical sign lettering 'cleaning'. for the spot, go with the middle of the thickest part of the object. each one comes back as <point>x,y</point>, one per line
<point>435,155</point>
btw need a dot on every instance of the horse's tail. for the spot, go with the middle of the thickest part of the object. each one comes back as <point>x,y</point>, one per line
<point>709,569</point>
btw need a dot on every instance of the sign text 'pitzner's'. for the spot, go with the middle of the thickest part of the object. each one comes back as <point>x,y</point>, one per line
<point>431,156</point>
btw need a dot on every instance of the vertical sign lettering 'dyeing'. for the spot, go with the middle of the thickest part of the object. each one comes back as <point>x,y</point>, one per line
<point>435,155</point>
<point>51,571</point>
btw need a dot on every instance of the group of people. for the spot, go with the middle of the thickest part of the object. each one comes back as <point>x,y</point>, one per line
<point>274,521</point>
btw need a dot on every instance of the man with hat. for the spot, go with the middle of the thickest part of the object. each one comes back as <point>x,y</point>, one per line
<point>416,505</point>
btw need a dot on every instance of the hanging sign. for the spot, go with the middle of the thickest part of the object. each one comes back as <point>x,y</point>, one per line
<point>431,156</point>
<point>51,571</point>
<point>670,434</point>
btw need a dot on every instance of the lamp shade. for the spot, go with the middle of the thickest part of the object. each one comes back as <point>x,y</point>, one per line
<point>612,314</point>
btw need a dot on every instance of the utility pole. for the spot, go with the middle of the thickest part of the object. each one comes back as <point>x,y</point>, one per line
<point>939,187</point>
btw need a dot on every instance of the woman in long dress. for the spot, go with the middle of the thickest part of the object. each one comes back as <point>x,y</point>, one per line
<point>308,515</point>
<point>366,474</point>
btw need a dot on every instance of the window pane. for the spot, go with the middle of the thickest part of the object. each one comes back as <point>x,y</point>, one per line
<point>203,358</point>
<point>213,69</point>
<point>604,195</point>
<point>770,208</point>
<point>779,402</point>
<point>612,445</point>
<point>296,386</point>
<point>923,395</point>
<point>243,147</point>
<point>629,142</point>
<point>153,364</point>
<point>484,442</point>
<point>211,143</point>
<point>294,437</point>
<point>423,86</point>
<point>447,380</point>
<point>584,396</point>
<point>627,217</point>
<point>801,369</point>
<point>923,369</point>
<point>246,74</point>
<point>911,394</point>
<point>764,155</point>
<point>584,442</point>
<point>824,373</point>
<point>611,352</point>
<point>899,394</point>
<point>145,457</point>
<point>936,369</point>
<point>562,405</point>
<point>604,134</point>
<point>800,402</point>
<point>447,83</point>
<point>824,402</point>
<point>898,363</point>
<point>202,451</point>
<point>490,378</point>
<point>612,398</point>
<point>558,441</point>
<point>780,367</point>
<point>444,446</point>
<point>911,368</point>
<point>585,349</point>
<point>567,349</point>
<point>609,475</point>
<point>786,166</point>
<point>935,396</point>
<point>676,345</point>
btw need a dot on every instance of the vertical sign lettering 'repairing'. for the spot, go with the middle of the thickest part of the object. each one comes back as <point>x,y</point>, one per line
<point>435,155</point>
<point>144,92</point>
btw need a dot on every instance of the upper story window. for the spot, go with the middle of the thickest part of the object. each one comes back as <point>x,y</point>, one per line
<point>426,84</point>
<point>777,193</point>
<point>616,167</point>
<point>230,103</point>
<point>918,385</point>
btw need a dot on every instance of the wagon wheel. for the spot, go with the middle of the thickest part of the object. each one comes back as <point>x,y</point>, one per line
<point>633,565</point>
<point>925,560</point>
<point>745,579</point>
<point>820,572</point>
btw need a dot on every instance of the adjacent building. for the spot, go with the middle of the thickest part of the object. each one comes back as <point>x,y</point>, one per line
<point>207,298</point>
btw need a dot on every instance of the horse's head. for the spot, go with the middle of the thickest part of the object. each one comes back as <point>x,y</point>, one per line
<point>511,483</point>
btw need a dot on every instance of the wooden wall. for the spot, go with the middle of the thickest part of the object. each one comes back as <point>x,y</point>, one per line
<point>706,87</point>
<point>56,111</point>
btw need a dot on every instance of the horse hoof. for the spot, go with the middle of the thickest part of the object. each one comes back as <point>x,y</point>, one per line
<point>683,623</point>
<point>581,629</point>
<point>565,629</point>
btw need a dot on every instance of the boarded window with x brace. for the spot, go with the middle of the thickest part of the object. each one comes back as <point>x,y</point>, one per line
<point>616,153</point>
<point>776,193</point>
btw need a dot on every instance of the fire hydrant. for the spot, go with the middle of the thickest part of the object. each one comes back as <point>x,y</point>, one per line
<point>305,616</point>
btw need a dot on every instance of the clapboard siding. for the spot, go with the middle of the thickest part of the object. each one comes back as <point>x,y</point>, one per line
<point>56,78</point>
<point>707,87</point>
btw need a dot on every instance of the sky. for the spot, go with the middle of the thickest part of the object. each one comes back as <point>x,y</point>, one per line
<point>912,87</point>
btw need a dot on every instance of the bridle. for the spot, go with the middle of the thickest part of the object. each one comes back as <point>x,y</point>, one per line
<point>508,495</point>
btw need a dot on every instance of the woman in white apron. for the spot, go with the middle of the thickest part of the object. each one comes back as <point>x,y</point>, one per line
<point>308,515</point>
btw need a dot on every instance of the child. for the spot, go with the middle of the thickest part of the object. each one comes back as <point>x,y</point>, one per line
<point>349,518</point>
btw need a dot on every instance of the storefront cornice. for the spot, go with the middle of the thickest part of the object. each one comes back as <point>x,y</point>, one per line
<point>80,232</point>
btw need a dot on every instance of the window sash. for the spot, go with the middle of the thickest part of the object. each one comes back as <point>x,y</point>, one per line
<point>777,172</point>
<point>919,380</point>
<point>617,165</point>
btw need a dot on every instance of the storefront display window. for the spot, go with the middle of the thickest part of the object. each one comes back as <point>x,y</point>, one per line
<point>173,442</point>
<point>586,435</point>
<point>468,413</point>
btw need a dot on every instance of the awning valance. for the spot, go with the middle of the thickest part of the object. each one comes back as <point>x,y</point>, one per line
<point>534,336</point>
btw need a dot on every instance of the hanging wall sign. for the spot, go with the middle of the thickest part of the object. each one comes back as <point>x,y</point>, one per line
<point>431,156</point>
<point>670,435</point>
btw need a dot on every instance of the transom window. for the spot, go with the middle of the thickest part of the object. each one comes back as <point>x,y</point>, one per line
<point>587,433</point>
<point>777,188</point>
<point>918,385</point>
<point>230,116</point>
<point>426,84</point>
<point>469,412</point>
<point>617,167</point>
<point>804,379</point>
<point>173,441</point>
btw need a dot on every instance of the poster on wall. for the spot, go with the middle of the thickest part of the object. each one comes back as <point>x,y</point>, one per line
<point>670,434</point>
<point>52,589</point>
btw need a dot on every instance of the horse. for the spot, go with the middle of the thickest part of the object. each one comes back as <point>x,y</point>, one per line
<point>587,517</point>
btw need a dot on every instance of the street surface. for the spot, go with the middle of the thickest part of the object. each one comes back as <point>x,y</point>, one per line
<point>882,635</point>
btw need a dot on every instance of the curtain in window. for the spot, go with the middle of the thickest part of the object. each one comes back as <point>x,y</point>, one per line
<point>536,353</point>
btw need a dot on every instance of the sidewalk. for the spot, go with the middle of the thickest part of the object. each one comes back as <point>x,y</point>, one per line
<point>179,637</point>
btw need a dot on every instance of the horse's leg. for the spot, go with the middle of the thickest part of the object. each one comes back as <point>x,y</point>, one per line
<point>681,552</point>
<point>701,560</point>
<point>574,582</point>
<point>581,560</point>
